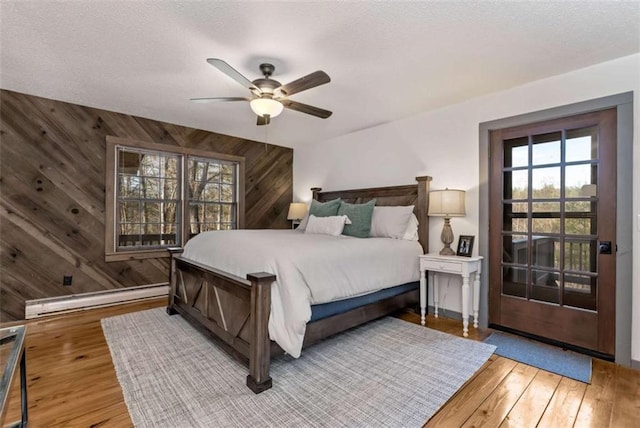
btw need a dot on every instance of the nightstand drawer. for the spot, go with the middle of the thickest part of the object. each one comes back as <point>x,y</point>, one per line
<point>441,266</point>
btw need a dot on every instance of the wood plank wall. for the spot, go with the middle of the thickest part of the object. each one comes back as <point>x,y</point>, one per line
<point>52,195</point>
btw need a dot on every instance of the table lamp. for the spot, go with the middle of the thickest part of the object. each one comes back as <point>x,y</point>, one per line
<point>297,210</point>
<point>447,203</point>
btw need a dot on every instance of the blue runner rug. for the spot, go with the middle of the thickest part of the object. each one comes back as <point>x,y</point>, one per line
<point>546,357</point>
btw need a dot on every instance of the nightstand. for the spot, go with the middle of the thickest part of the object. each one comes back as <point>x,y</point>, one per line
<point>456,265</point>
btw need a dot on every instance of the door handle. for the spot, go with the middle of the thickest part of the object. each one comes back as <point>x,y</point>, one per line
<point>604,247</point>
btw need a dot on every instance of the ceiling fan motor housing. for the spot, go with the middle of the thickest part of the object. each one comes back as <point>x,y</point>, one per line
<point>267,85</point>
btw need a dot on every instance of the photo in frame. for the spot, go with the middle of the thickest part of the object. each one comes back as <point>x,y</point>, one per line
<point>465,245</point>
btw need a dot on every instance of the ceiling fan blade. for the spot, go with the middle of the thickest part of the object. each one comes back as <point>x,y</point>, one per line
<point>309,81</point>
<point>264,120</point>
<point>233,73</point>
<point>305,108</point>
<point>217,99</point>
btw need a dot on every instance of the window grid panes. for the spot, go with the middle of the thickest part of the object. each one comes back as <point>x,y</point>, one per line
<point>149,204</point>
<point>147,199</point>
<point>212,195</point>
<point>549,217</point>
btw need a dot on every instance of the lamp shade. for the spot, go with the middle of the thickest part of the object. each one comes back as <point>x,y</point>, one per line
<point>447,203</point>
<point>266,106</point>
<point>297,210</point>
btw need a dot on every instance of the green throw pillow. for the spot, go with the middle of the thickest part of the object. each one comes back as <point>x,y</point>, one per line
<point>360,216</point>
<point>324,209</point>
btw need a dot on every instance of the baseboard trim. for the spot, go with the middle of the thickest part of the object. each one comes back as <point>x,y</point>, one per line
<point>84,301</point>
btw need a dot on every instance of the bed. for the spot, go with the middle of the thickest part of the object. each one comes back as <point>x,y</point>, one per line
<point>234,307</point>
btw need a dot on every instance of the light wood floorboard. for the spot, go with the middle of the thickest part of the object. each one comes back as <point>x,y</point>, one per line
<point>72,383</point>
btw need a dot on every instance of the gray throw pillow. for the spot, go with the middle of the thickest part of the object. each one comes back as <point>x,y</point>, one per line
<point>360,216</point>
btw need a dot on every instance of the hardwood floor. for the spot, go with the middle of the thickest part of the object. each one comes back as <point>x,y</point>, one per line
<point>72,383</point>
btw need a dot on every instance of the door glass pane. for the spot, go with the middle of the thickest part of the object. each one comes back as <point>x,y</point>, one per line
<point>515,249</point>
<point>519,207</point>
<point>516,152</point>
<point>581,144</point>
<point>580,207</point>
<point>580,226</point>
<point>515,217</point>
<point>545,182</point>
<point>545,225</point>
<point>546,207</point>
<point>546,149</point>
<point>546,251</point>
<point>514,281</point>
<point>580,291</point>
<point>545,285</point>
<point>516,184</point>
<point>580,255</point>
<point>580,181</point>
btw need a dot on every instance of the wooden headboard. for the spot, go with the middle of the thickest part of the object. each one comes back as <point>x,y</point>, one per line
<point>411,194</point>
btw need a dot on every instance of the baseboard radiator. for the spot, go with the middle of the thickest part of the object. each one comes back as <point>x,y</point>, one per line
<point>79,302</point>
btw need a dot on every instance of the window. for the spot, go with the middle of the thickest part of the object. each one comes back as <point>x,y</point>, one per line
<point>160,196</point>
<point>147,197</point>
<point>212,195</point>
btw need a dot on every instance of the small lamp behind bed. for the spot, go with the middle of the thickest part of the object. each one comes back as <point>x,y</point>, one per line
<point>297,210</point>
<point>447,203</point>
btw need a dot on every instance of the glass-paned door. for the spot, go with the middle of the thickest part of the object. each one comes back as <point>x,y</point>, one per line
<point>552,224</point>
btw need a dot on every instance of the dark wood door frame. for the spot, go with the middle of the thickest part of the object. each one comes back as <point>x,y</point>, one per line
<point>624,104</point>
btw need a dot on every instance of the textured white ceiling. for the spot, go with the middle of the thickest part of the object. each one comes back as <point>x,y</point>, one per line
<point>387,60</point>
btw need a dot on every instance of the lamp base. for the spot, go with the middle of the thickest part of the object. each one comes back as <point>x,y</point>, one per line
<point>447,251</point>
<point>447,238</point>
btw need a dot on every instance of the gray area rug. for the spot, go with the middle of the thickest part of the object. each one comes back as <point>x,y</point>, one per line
<point>388,373</point>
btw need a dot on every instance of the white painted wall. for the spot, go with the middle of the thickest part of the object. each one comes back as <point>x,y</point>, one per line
<point>444,145</point>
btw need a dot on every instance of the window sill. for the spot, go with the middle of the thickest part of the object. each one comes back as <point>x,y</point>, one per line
<point>122,256</point>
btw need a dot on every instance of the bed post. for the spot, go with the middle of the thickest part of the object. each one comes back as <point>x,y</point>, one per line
<point>258,379</point>
<point>173,278</point>
<point>315,191</point>
<point>422,207</point>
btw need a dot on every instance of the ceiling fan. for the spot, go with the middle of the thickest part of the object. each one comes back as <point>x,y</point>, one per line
<point>270,96</point>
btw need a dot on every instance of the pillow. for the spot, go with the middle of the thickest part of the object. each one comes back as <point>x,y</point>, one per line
<point>360,216</point>
<point>320,209</point>
<point>411,233</point>
<point>390,222</point>
<point>332,225</point>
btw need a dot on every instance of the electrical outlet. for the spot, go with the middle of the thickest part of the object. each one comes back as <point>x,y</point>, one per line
<point>67,280</point>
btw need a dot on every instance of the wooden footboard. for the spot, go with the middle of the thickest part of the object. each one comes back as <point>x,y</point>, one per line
<point>232,310</point>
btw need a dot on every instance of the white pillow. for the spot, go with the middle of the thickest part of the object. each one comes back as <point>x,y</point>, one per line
<point>411,234</point>
<point>390,222</point>
<point>332,225</point>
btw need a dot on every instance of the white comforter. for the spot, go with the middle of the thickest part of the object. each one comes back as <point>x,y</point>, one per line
<point>309,268</point>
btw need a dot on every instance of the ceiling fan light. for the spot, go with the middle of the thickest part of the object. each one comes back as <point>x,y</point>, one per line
<point>266,106</point>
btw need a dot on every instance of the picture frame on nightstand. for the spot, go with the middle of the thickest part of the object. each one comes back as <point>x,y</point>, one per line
<point>465,245</point>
